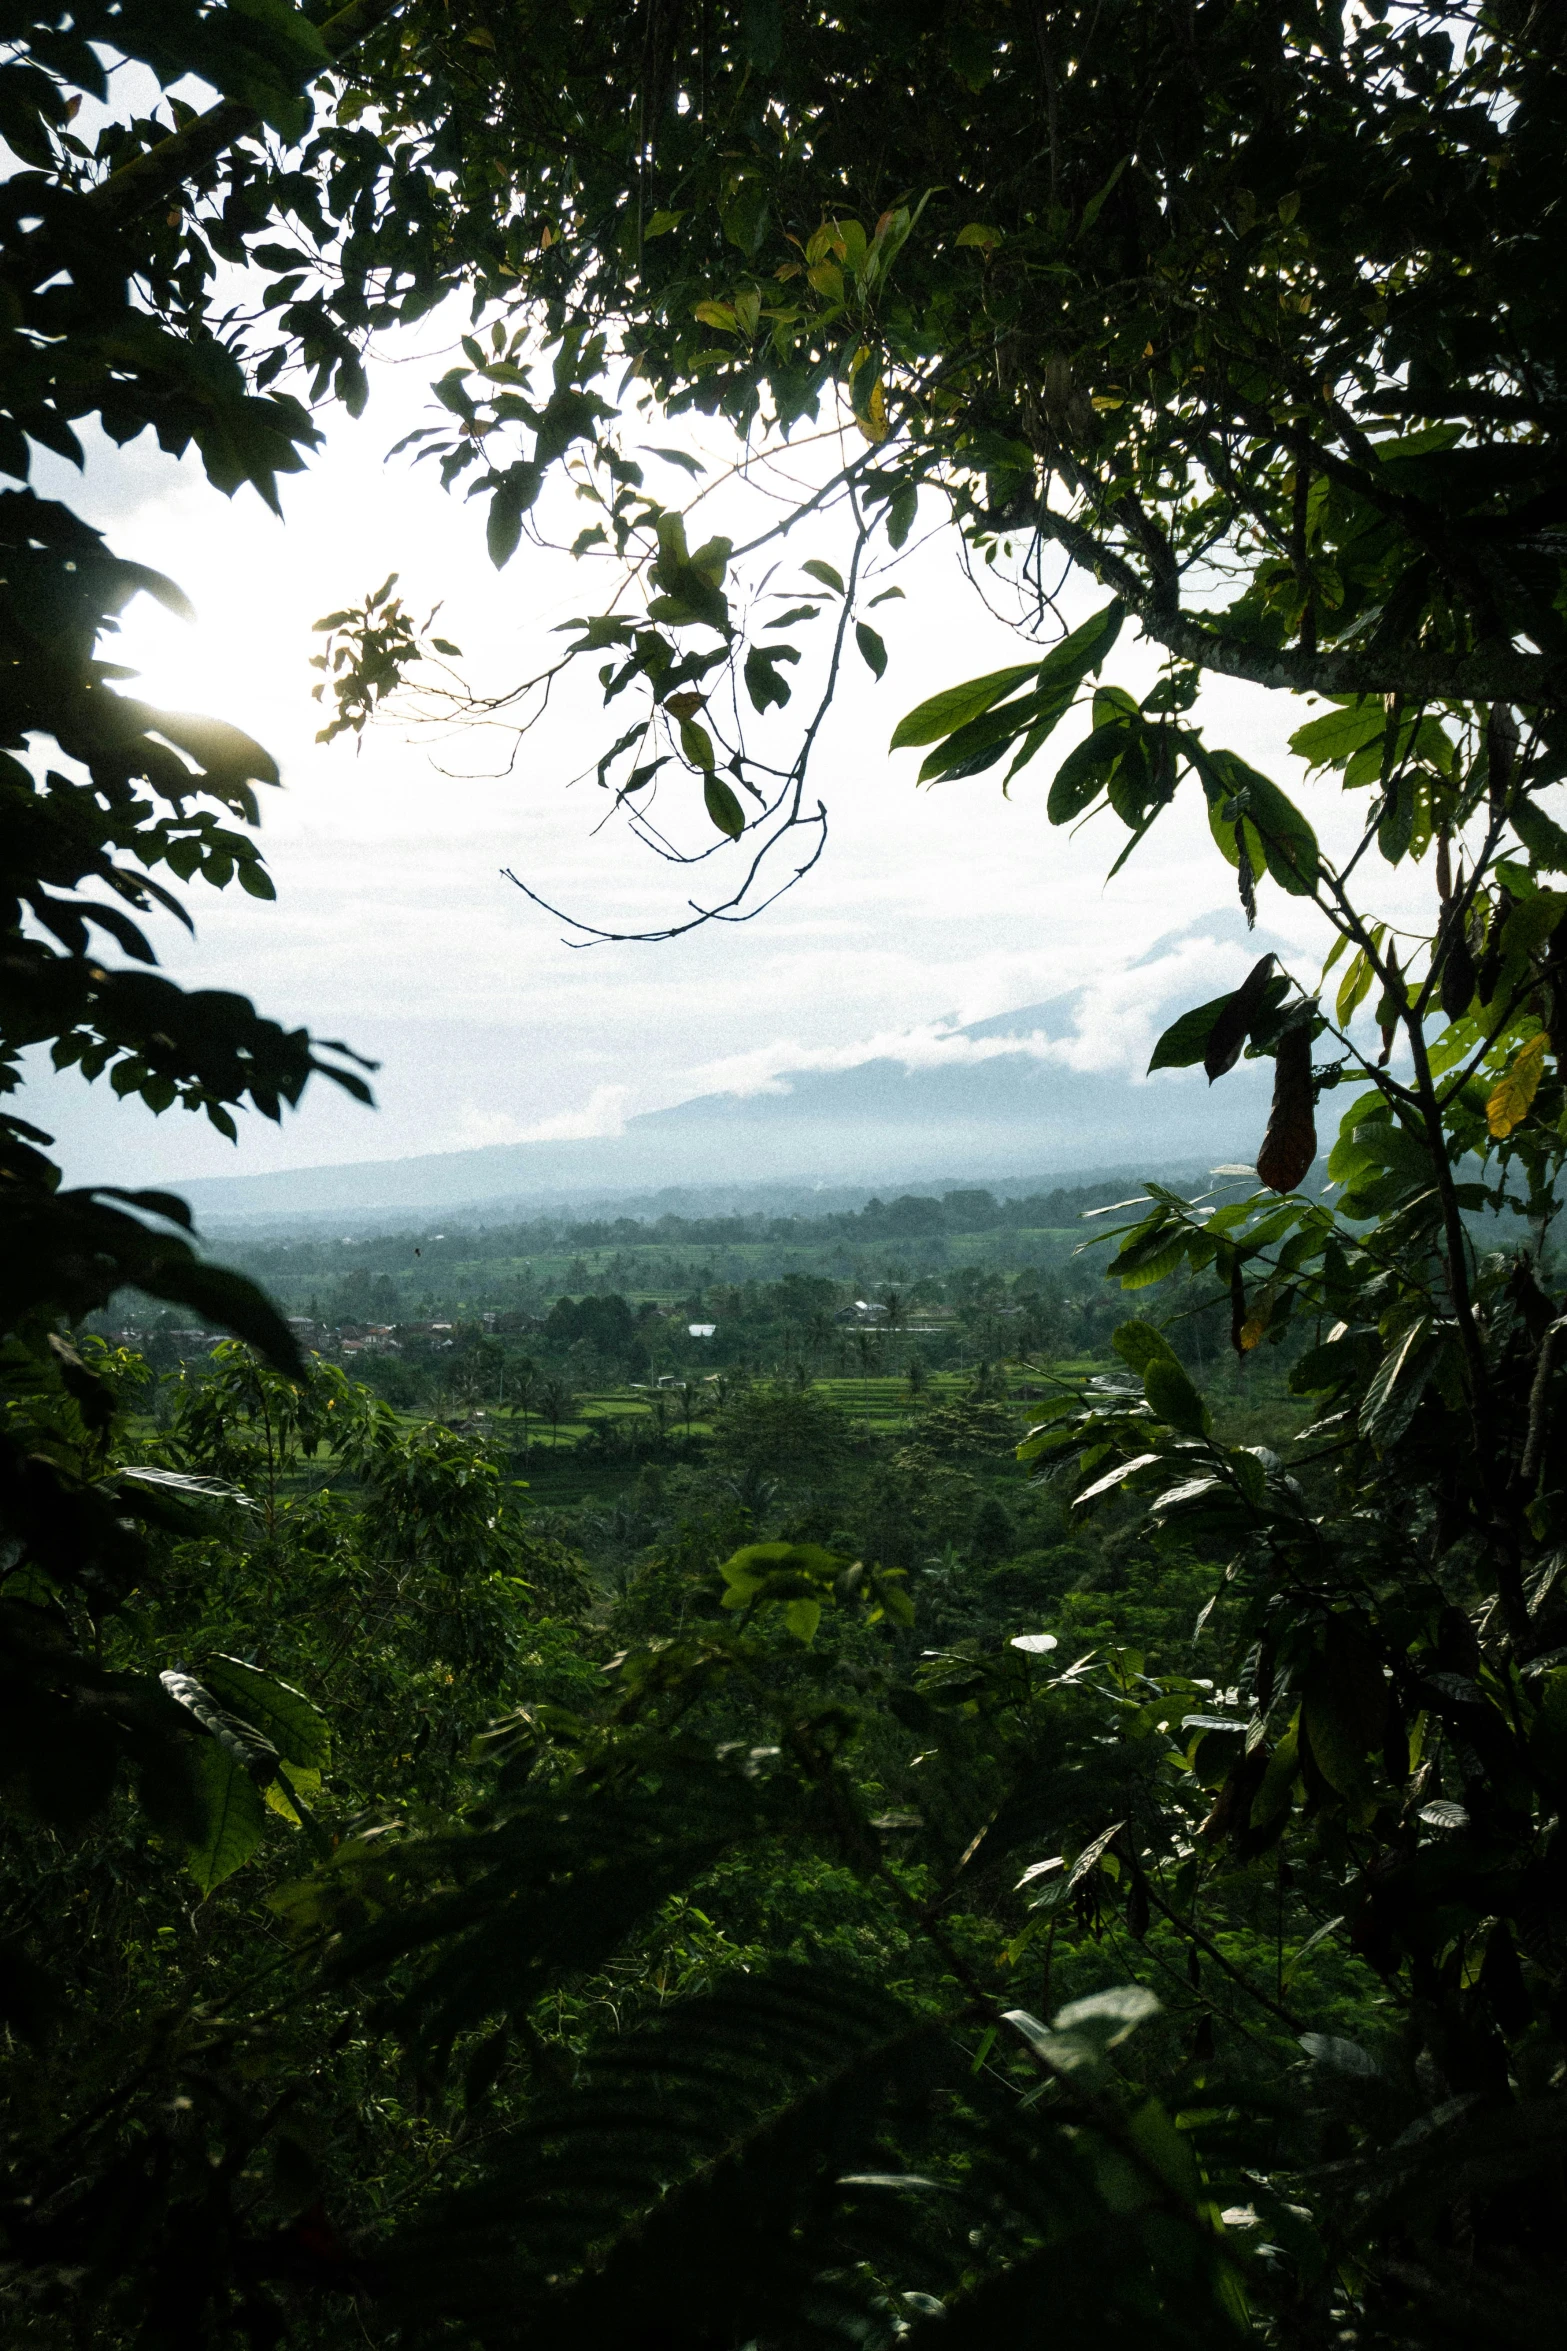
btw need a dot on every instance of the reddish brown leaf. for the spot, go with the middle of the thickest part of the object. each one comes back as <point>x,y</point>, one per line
<point>1290,1144</point>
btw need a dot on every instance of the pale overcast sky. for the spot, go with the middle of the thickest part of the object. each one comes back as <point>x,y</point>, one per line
<point>395,930</point>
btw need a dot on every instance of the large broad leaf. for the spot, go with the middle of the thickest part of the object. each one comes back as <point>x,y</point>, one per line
<point>1140,1344</point>
<point>233,1815</point>
<point>284,1715</point>
<point>1174,1398</point>
<point>1399,1383</point>
<point>1333,739</point>
<point>1082,2035</point>
<point>1294,859</point>
<point>231,1301</point>
<point>1278,838</point>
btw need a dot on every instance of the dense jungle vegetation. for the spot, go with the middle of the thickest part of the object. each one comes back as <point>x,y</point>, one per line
<point>1094,1872</point>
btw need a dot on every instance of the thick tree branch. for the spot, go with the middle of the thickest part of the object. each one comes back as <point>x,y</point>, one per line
<point>1492,674</point>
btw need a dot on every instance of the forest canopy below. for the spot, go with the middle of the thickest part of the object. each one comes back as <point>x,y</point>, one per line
<point>1098,1868</point>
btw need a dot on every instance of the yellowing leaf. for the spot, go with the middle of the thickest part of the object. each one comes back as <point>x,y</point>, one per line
<point>977,234</point>
<point>873,424</point>
<point>303,1782</point>
<point>1508,1107</point>
<point>1354,988</point>
<point>716,314</point>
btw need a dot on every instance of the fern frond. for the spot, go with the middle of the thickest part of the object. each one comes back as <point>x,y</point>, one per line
<point>699,2169</point>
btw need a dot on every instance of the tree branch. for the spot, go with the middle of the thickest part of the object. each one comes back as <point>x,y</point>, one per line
<point>1496,674</point>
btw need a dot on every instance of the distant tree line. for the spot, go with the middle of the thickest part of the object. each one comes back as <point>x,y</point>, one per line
<point>910,1216</point>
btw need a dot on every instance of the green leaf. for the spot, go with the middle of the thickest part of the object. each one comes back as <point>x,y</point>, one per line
<point>1083,774</point>
<point>1293,857</point>
<point>1354,987</point>
<point>1175,1400</point>
<point>1278,1781</point>
<point>902,508</point>
<point>1540,834</point>
<point>947,711</point>
<point>1351,1667</point>
<point>872,648</point>
<point>802,1617</point>
<point>1114,1477</point>
<point>745,222</point>
<point>1185,1042</point>
<point>233,1815</point>
<point>284,1715</point>
<point>1082,2035</point>
<point>1140,1344</point>
<point>1045,1435</point>
<point>697,744</point>
<point>722,806</point>
<point>1399,1382</point>
<point>762,681</point>
<point>1096,203</point>
<point>825,573</point>
<point>503,527</point>
<point>1333,739</point>
<point>1238,1018</point>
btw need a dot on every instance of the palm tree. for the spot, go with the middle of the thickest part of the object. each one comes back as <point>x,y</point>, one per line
<point>525,1386</point>
<point>557,1403</point>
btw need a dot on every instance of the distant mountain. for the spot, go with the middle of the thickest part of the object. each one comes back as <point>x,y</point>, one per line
<point>1050,1089</point>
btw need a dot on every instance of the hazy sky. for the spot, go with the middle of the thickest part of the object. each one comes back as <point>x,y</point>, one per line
<point>395,930</point>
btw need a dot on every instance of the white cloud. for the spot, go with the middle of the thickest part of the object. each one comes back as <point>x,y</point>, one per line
<point>930,910</point>
<point>604,1113</point>
<point>1110,1024</point>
